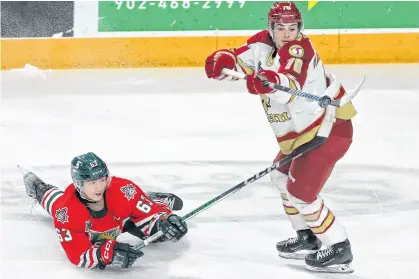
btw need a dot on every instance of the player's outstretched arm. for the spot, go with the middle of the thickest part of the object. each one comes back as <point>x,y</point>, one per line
<point>241,59</point>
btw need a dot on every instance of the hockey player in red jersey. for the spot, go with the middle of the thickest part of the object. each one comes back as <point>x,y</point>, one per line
<point>283,55</point>
<point>97,207</point>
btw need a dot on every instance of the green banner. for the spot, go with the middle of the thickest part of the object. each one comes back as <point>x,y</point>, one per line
<point>120,16</point>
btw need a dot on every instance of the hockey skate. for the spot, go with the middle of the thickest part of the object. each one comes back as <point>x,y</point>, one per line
<point>35,187</point>
<point>170,200</point>
<point>335,259</point>
<point>299,247</point>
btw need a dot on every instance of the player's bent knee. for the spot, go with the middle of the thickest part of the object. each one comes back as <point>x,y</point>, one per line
<point>307,196</point>
<point>279,180</point>
<point>306,205</point>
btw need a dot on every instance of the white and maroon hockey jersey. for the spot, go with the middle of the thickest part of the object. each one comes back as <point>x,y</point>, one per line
<point>294,120</point>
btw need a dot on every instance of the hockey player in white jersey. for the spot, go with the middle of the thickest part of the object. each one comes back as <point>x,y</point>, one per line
<point>283,55</point>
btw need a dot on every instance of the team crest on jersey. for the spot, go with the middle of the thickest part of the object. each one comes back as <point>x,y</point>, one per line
<point>129,191</point>
<point>109,234</point>
<point>296,51</point>
<point>61,215</point>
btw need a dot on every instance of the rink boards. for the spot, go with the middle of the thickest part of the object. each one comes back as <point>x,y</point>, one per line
<point>129,34</point>
<point>192,51</point>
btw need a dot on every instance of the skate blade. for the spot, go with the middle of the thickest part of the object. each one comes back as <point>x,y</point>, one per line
<point>23,171</point>
<point>337,268</point>
<point>300,255</point>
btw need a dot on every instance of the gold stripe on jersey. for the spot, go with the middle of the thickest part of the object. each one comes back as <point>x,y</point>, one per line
<point>287,146</point>
<point>244,67</point>
<point>346,112</point>
<point>270,58</point>
<point>294,84</point>
<point>292,98</point>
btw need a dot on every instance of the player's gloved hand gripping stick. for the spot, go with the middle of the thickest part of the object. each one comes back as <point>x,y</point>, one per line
<point>323,101</point>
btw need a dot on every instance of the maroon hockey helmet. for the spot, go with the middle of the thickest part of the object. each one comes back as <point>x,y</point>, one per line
<point>284,12</point>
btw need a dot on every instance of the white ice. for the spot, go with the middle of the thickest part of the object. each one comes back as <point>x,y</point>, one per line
<point>174,130</point>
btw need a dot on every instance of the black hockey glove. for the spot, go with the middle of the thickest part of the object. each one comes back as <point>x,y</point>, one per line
<point>173,227</point>
<point>118,254</point>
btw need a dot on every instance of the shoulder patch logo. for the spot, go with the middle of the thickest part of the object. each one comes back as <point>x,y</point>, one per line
<point>296,51</point>
<point>129,191</point>
<point>62,215</point>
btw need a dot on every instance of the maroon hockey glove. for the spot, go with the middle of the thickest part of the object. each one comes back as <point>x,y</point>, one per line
<point>219,60</point>
<point>255,85</point>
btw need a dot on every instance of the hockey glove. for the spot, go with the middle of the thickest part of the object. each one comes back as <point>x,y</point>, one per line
<point>118,254</point>
<point>173,227</point>
<point>255,85</point>
<point>219,60</point>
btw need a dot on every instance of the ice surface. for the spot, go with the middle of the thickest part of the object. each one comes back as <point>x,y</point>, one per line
<point>174,130</point>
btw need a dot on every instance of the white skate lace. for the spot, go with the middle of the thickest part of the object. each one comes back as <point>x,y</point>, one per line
<point>324,253</point>
<point>169,202</point>
<point>291,240</point>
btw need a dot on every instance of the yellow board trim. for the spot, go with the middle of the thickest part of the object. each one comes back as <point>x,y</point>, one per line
<point>90,53</point>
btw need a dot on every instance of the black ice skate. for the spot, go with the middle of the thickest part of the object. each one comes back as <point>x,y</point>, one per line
<point>35,187</point>
<point>335,259</point>
<point>171,200</point>
<point>298,247</point>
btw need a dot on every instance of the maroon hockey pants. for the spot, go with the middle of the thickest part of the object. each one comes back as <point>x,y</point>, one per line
<point>308,173</point>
